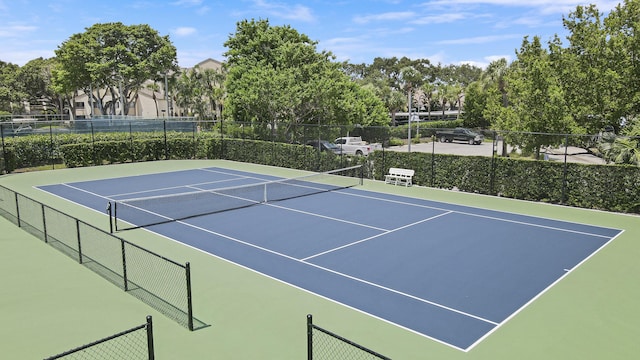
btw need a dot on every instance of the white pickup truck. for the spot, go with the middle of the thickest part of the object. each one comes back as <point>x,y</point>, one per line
<point>353,145</point>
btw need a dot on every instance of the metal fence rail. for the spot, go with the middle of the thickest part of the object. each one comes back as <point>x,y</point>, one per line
<point>162,283</point>
<point>323,344</point>
<point>135,343</point>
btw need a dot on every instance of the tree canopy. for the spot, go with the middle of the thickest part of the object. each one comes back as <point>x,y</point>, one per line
<point>277,77</point>
<point>9,97</point>
<point>115,57</point>
<point>581,87</point>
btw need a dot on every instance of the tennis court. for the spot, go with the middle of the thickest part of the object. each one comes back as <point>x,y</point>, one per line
<point>451,273</point>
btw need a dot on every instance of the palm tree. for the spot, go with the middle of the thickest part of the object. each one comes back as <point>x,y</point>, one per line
<point>154,87</point>
<point>395,102</point>
<point>458,90</point>
<point>446,95</point>
<point>495,74</point>
<point>622,149</point>
<point>212,81</point>
<point>428,90</point>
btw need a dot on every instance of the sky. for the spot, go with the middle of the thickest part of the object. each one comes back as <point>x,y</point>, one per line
<point>444,31</point>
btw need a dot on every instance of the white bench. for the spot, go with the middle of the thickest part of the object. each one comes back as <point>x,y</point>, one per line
<point>399,176</point>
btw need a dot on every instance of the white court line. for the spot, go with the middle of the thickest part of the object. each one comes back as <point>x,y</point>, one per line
<point>326,217</point>
<point>375,236</point>
<point>444,307</point>
<point>479,215</point>
<point>86,191</point>
<point>498,324</point>
<point>187,185</point>
<point>538,295</point>
<point>175,187</point>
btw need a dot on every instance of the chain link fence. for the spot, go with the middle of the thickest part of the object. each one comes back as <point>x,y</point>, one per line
<point>158,281</point>
<point>323,344</point>
<point>523,165</point>
<point>133,344</point>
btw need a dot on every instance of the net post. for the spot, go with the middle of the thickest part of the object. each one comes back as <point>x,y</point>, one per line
<point>149,328</point>
<point>115,215</point>
<point>309,337</point>
<point>361,175</point>
<point>109,212</point>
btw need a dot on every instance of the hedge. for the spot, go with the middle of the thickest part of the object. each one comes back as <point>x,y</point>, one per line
<point>605,187</point>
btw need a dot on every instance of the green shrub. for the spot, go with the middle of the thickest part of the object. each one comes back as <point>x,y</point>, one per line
<point>604,187</point>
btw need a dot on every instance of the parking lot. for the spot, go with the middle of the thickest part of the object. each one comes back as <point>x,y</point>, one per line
<point>574,154</point>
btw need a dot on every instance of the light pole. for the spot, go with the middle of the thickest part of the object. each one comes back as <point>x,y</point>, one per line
<point>409,130</point>
<point>418,120</point>
<point>166,92</point>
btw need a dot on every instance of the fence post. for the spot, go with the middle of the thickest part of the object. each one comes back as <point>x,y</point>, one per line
<point>494,149</point>
<point>189,299</point>
<point>124,266</point>
<point>564,177</point>
<point>79,241</point>
<point>4,152</point>
<point>150,348</point>
<point>51,150</point>
<point>433,161</point>
<point>44,224</point>
<point>166,148</point>
<point>93,144</point>
<point>309,337</point>
<point>17,210</point>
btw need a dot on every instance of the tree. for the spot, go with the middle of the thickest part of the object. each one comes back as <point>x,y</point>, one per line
<point>189,93</point>
<point>588,83</point>
<point>475,104</point>
<point>491,82</point>
<point>428,89</point>
<point>447,94</point>
<point>10,93</point>
<point>410,79</point>
<point>277,78</point>
<point>35,78</point>
<point>536,101</point>
<point>622,27</point>
<point>623,149</point>
<point>113,57</point>
<point>213,84</point>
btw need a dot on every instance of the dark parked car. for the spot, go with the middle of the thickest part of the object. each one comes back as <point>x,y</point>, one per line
<point>460,134</point>
<point>324,145</point>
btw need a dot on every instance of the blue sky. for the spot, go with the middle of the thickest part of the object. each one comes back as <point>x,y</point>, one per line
<point>443,31</point>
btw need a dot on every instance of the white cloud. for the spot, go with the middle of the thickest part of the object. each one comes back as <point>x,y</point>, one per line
<point>21,57</point>
<point>187,2</point>
<point>184,31</point>
<point>388,16</point>
<point>479,39</point>
<point>203,10</point>
<point>284,11</point>
<point>493,58</point>
<point>544,6</point>
<point>16,30</point>
<point>439,18</point>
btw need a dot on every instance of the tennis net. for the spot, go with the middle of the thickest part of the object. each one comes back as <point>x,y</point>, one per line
<point>155,210</point>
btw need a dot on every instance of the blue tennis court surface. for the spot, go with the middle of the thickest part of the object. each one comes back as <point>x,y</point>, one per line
<point>451,273</point>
